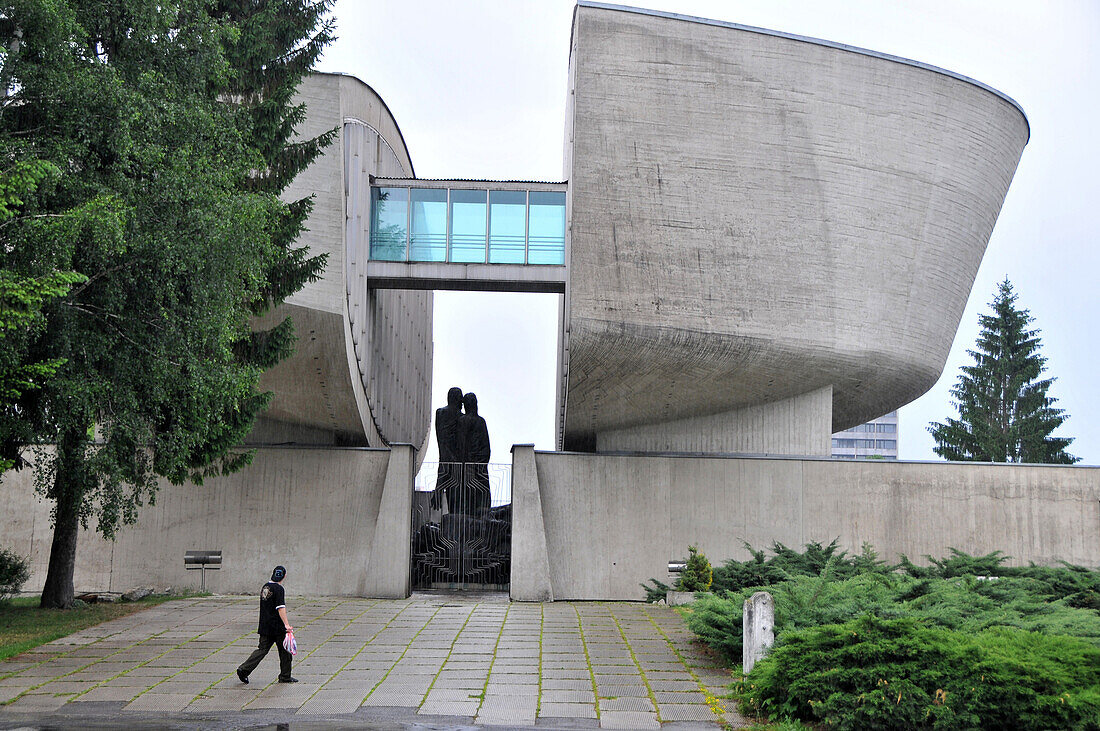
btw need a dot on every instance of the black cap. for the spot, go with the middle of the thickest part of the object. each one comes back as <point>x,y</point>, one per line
<point>278,574</point>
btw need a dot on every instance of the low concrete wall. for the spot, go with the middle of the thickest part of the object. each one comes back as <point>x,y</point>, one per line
<point>329,515</point>
<point>613,522</point>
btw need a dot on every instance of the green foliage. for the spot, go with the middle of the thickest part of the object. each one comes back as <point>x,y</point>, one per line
<point>903,674</point>
<point>21,301</point>
<point>276,44</point>
<point>20,179</point>
<point>26,625</point>
<point>697,574</point>
<point>786,563</point>
<point>802,601</point>
<point>1005,412</point>
<point>656,593</point>
<point>14,572</point>
<point>1053,600</point>
<point>171,124</point>
<point>1078,585</point>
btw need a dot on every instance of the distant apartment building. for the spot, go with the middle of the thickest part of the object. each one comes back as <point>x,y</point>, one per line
<point>877,439</point>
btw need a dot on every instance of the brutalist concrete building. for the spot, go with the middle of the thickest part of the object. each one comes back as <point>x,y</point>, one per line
<point>733,201</point>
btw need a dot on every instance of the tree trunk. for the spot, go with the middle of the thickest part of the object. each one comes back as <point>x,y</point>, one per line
<point>57,593</point>
<point>70,484</point>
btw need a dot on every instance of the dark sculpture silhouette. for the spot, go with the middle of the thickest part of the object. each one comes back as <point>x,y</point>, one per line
<point>471,542</point>
<point>449,474</point>
<point>473,436</point>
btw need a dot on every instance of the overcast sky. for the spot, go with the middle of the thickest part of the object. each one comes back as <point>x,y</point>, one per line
<point>478,88</point>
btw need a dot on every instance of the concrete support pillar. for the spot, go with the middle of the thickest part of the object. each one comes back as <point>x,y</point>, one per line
<point>388,568</point>
<point>530,581</point>
<point>758,628</point>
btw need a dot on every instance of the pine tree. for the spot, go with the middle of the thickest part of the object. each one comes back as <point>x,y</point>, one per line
<point>1005,412</point>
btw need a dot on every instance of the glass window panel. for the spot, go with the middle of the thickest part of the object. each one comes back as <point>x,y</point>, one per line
<point>468,226</point>
<point>507,220</point>
<point>428,241</point>
<point>388,222</point>
<point>546,228</point>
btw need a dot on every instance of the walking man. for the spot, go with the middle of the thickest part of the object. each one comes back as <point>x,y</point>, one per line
<point>273,628</point>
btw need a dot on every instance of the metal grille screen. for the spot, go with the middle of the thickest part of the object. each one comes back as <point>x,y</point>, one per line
<point>462,526</point>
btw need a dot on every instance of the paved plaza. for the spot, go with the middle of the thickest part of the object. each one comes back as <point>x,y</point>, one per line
<point>432,661</point>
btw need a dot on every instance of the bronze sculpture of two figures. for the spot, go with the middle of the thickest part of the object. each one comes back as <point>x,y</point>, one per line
<point>463,440</point>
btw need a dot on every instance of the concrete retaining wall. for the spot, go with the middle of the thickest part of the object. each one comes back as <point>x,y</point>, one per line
<point>612,522</point>
<point>316,511</point>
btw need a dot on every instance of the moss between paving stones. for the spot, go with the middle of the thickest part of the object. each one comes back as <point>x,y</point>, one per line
<point>599,630</point>
<point>588,662</point>
<point>712,701</point>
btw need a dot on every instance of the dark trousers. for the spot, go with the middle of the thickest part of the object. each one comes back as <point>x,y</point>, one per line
<point>260,653</point>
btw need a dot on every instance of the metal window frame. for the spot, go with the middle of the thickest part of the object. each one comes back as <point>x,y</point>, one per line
<point>447,230</point>
<point>449,221</point>
<point>408,224</point>
<point>486,228</point>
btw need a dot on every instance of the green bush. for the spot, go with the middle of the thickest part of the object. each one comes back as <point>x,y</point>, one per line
<point>962,603</point>
<point>14,572</point>
<point>1068,581</point>
<point>697,574</point>
<point>902,674</point>
<point>656,593</point>
<point>803,601</point>
<point>787,563</point>
<point>1020,636</point>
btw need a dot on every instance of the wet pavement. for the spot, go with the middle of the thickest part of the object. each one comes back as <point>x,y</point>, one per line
<point>431,661</point>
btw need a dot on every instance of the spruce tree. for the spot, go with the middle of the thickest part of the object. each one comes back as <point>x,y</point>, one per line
<point>278,42</point>
<point>1005,412</point>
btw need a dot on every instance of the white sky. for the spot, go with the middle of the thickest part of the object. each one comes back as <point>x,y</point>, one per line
<point>478,88</point>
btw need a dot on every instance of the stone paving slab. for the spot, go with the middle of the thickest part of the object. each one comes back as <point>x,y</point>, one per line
<point>567,710</point>
<point>439,658</point>
<point>629,720</point>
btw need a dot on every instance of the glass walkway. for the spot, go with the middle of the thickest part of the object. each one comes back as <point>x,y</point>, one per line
<point>485,223</point>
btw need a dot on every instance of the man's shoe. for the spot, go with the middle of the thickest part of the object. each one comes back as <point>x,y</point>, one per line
<point>288,680</point>
<point>242,676</point>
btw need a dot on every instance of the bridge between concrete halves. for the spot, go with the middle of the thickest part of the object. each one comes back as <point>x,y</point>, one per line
<point>467,235</point>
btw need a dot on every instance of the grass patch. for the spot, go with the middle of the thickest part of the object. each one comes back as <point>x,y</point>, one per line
<point>24,626</point>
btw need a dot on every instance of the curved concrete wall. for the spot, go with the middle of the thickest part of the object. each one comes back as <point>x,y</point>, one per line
<point>755,217</point>
<point>362,372</point>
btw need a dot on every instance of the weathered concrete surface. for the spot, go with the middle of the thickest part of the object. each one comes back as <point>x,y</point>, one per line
<point>434,661</point>
<point>530,580</point>
<point>387,574</point>
<point>757,628</point>
<point>363,368</point>
<point>801,425</point>
<point>319,512</point>
<point>612,522</point>
<point>754,217</point>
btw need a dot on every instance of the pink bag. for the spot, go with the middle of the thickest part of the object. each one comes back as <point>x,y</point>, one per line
<point>289,643</point>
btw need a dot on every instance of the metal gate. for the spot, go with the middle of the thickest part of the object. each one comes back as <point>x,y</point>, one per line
<point>462,526</point>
